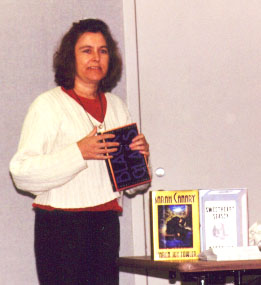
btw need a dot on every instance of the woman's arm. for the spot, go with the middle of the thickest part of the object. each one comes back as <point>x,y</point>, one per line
<point>38,164</point>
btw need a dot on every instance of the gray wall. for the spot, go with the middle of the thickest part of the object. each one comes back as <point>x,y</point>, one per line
<point>199,69</point>
<point>30,32</point>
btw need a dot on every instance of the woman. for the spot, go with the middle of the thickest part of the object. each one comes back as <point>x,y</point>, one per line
<point>61,160</point>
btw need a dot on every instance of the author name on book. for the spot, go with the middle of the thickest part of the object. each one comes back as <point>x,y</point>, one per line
<point>175,198</point>
<point>178,254</point>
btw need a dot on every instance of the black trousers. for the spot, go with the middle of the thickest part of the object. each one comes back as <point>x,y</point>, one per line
<point>77,247</point>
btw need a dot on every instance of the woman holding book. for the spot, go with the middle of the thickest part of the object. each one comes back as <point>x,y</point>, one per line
<point>61,160</point>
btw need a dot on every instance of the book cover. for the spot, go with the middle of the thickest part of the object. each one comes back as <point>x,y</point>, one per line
<point>127,169</point>
<point>175,224</point>
<point>223,218</point>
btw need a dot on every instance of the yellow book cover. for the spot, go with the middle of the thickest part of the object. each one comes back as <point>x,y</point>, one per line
<point>175,224</point>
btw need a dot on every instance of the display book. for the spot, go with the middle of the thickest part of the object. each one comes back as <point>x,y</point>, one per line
<point>223,219</point>
<point>175,233</point>
<point>127,169</point>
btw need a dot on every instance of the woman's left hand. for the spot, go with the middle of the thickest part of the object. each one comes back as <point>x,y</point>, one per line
<point>139,143</point>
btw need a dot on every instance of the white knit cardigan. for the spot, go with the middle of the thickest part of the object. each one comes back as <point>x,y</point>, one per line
<point>48,162</point>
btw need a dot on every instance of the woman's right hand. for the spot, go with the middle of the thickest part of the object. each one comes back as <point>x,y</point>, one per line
<point>94,147</point>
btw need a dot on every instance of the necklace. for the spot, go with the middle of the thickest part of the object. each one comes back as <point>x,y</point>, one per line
<point>100,126</point>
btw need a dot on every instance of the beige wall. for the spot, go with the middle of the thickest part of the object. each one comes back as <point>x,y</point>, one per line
<point>200,87</point>
<point>200,76</point>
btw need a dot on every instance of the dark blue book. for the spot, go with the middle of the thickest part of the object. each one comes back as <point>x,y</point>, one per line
<point>127,169</point>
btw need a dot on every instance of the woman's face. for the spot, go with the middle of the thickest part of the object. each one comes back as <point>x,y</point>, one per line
<point>91,58</point>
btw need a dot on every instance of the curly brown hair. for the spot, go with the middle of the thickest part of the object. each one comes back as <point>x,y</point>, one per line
<point>64,57</point>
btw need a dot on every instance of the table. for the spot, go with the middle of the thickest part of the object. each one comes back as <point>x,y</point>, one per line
<point>201,271</point>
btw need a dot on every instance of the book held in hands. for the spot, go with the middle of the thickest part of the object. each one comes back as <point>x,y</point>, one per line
<point>127,169</point>
<point>175,224</point>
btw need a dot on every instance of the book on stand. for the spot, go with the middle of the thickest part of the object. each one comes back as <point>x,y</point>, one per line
<point>175,224</point>
<point>127,169</point>
<point>223,218</point>
<point>231,253</point>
